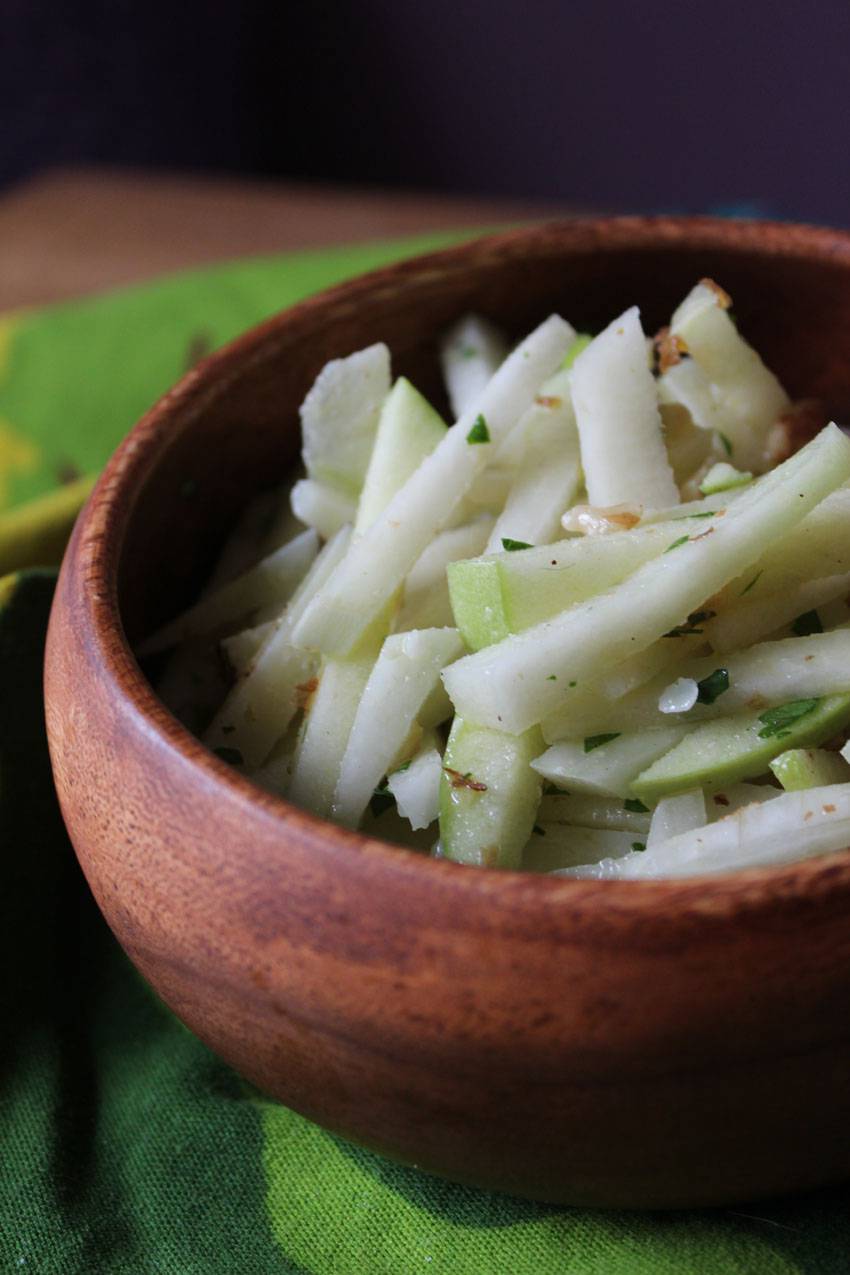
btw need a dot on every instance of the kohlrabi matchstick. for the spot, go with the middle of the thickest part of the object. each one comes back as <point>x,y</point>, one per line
<point>377,562</point>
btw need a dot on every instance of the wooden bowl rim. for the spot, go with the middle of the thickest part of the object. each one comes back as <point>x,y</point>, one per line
<point>103,524</point>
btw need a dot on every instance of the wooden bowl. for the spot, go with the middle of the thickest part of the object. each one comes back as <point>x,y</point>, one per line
<point>646,1044</point>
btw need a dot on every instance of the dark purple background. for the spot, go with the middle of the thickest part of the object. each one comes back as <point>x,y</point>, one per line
<point>610,104</point>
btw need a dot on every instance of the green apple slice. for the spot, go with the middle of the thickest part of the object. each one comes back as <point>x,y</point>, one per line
<point>408,430</point>
<point>519,681</point>
<point>488,795</point>
<point>741,747</point>
<point>809,768</point>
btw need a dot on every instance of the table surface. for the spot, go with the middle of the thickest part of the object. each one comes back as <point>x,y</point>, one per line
<point>67,234</point>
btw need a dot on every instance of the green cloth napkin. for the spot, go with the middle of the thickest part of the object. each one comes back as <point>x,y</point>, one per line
<point>126,1147</point>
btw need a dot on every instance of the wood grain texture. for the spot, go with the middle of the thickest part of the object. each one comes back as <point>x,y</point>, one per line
<point>71,233</point>
<point>646,1044</point>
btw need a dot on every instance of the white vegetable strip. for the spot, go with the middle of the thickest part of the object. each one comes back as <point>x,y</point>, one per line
<point>509,686</point>
<point>339,417</point>
<point>607,769</point>
<point>790,827</point>
<point>734,797</point>
<point>408,431</point>
<point>619,424</point>
<point>261,705</point>
<point>548,479</point>
<point>818,546</point>
<point>268,584</point>
<point>376,564</point>
<point>417,788</point>
<point>554,846</point>
<point>470,354</point>
<point>321,506</point>
<point>405,673</point>
<point>327,727</point>
<point>425,602</point>
<point>240,648</point>
<point>770,673</point>
<point>757,617</point>
<point>588,811</point>
<point>681,813</point>
<point>601,698</point>
<point>504,593</point>
<point>687,383</point>
<point>750,395</point>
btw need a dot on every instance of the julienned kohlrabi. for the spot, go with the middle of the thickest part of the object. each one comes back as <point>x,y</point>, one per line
<point>596,626</point>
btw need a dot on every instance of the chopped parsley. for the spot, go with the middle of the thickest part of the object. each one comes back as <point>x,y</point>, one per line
<point>726,443</point>
<point>807,624</point>
<point>232,756</point>
<point>479,432</point>
<point>636,806</point>
<point>777,720</point>
<point>707,513</point>
<point>553,677</point>
<point>713,686</point>
<point>571,684</point>
<point>691,624</point>
<point>511,546</point>
<point>683,540</point>
<point>468,352</point>
<point>405,765</point>
<point>596,741</point>
<point>749,586</point>
<point>638,845</point>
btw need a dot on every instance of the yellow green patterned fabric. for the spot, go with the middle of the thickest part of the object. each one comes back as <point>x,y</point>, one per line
<point>126,1147</point>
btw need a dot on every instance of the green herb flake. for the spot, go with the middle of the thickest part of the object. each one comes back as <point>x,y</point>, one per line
<point>596,741</point>
<point>713,686</point>
<point>572,684</point>
<point>683,540</point>
<point>541,832</point>
<point>777,720</point>
<point>468,352</point>
<point>553,677</point>
<point>752,583</point>
<point>232,756</point>
<point>479,432</point>
<point>405,765</point>
<point>727,443</point>
<point>691,624</point>
<point>708,513</point>
<point>807,624</point>
<point>636,806</point>
<point>637,846</point>
<point>511,546</point>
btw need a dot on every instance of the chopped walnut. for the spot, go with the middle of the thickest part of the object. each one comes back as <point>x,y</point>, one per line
<point>669,349</point>
<point>596,520</point>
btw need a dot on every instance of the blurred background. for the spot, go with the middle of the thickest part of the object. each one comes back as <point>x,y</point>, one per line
<point>484,110</point>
